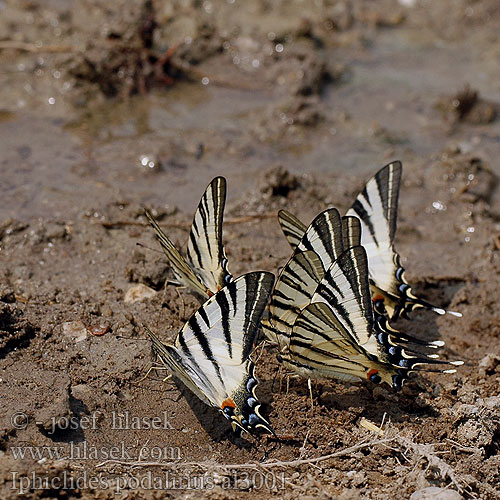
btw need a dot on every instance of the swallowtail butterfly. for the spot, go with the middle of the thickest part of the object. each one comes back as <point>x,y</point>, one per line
<point>211,354</point>
<point>205,270</point>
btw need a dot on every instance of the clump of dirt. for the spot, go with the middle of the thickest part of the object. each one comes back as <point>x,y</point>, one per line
<point>278,181</point>
<point>301,70</point>
<point>126,63</point>
<point>16,332</point>
<point>135,58</point>
<point>467,106</point>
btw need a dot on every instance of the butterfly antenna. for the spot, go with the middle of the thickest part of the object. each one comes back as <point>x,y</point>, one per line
<point>142,245</point>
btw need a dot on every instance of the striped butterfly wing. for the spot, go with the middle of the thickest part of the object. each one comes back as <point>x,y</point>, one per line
<point>376,207</point>
<point>345,288</point>
<point>294,231</point>
<point>320,346</point>
<point>211,354</point>
<point>323,236</point>
<point>205,250</point>
<point>292,228</point>
<point>348,325</point>
<point>318,246</point>
<point>293,291</point>
<point>351,232</point>
<point>183,272</point>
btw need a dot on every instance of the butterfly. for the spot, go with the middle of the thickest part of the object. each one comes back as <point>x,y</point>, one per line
<point>319,246</point>
<point>326,326</point>
<point>376,209</point>
<point>211,354</point>
<point>205,270</point>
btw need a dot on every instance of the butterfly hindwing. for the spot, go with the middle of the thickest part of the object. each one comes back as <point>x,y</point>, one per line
<point>321,347</point>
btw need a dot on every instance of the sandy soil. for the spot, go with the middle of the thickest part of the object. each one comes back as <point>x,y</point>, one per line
<point>104,110</point>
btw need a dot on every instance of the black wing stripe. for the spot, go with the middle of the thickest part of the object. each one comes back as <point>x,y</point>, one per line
<point>365,217</point>
<point>192,237</point>
<point>204,317</point>
<point>226,327</point>
<point>205,214</point>
<point>205,346</point>
<point>219,190</point>
<point>351,232</point>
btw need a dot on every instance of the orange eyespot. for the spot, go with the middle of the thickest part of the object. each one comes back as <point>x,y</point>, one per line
<point>209,293</point>
<point>377,297</point>
<point>371,372</point>
<point>228,403</point>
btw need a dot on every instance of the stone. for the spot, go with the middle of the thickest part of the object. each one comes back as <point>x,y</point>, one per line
<point>75,329</point>
<point>435,493</point>
<point>138,293</point>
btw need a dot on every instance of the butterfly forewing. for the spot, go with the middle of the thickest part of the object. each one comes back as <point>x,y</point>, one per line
<point>294,289</point>
<point>351,232</point>
<point>292,228</point>
<point>346,290</point>
<point>205,250</point>
<point>324,237</point>
<point>376,207</point>
<point>221,334</point>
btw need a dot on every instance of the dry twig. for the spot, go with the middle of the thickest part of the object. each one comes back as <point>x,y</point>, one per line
<point>186,225</point>
<point>255,465</point>
<point>34,47</point>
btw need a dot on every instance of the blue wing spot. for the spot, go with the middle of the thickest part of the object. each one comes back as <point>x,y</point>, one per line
<point>251,402</point>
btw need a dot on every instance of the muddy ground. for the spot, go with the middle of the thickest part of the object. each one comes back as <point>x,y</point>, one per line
<point>106,109</point>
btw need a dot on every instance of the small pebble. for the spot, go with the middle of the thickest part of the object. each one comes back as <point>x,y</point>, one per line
<point>435,493</point>
<point>75,329</point>
<point>99,330</point>
<point>138,292</point>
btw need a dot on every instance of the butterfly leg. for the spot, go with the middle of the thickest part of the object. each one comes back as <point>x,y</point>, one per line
<point>182,302</point>
<point>151,368</point>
